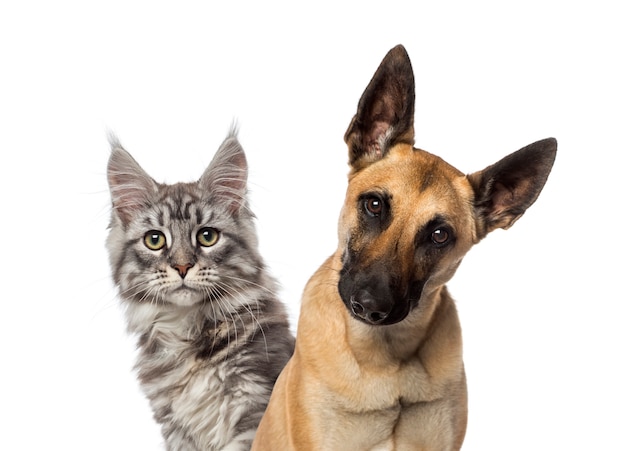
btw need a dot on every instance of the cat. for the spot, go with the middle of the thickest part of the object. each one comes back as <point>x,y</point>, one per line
<point>212,334</point>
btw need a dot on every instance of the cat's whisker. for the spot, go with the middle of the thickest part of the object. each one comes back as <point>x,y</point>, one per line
<point>251,283</point>
<point>248,308</point>
<point>216,322</point>
<point>257,322</point>
<point>224,311</point>
<point>232,322</point>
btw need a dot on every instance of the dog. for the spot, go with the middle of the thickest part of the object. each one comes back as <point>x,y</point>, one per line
<point>378,363</point>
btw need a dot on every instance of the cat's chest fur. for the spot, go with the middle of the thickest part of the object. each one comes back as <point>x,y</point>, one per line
<point>191,368</point>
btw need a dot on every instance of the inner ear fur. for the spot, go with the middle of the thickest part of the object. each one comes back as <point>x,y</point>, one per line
<point>385,111</point>
<point>505,190</point>
<point>131,187</point>
<point>227,175</point>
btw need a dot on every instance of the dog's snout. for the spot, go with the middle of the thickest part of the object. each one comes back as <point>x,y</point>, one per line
<point>357,308</point>
<point>373,296</point>
<point>367,309</point>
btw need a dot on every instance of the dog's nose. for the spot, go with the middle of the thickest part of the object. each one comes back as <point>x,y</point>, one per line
<point>366,310</point>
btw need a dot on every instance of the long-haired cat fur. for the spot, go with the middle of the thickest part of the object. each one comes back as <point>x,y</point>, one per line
<point>212,334</point>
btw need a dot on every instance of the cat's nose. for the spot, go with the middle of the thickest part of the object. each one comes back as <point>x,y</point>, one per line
<point>182,269</point>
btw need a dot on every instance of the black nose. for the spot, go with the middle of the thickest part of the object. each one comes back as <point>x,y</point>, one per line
<point>367,309</point>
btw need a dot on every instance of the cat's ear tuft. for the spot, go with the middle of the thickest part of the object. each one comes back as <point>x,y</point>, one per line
<point>226,178</point>
<point>131,187</point>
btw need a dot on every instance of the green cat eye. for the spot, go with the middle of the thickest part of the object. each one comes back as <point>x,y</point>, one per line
<point>154,240</point>
<point>208,237</point>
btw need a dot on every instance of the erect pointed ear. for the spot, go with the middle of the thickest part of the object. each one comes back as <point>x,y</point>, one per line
<point>226,177</point>
<point>385,112</point>
<point>131,187</point>
<point>503,191</point>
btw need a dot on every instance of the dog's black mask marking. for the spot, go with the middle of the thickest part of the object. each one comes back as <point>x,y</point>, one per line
<point>376,293</point>
<point>376,296</point>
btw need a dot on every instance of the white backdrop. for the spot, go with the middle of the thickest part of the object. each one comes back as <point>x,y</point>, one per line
<point>542,305</point>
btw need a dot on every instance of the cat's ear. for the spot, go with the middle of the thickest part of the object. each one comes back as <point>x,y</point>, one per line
<point>226,177</point>
<point>132,189</point>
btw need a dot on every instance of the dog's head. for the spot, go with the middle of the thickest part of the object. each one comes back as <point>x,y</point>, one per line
<point>409,217</point>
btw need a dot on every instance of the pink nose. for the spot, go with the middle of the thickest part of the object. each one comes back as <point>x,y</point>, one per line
<point>182,269</point>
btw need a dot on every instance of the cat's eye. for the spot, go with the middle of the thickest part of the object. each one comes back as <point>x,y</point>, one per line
<point>208,236</point>
<point>154,240</point>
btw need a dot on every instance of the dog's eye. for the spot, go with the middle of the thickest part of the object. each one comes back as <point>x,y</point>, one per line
<point>373,206</point>
<point>440,236</point>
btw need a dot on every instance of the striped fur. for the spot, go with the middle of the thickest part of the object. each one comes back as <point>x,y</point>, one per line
<point>212,335</point>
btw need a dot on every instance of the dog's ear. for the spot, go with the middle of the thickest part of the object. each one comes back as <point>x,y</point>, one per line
<point>385,112</point>
<point>503,191</point>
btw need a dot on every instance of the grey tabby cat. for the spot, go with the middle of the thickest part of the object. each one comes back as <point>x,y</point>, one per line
<point>213,337</point>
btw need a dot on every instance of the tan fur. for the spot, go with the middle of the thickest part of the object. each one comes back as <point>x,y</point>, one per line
<point>351,385</point>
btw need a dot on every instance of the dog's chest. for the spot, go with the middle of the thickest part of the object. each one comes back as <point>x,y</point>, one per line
<point>341,429</point>
<point>403,427</point>
<point>387,445</point>
<point>387,387</point>
<point>388,409</point>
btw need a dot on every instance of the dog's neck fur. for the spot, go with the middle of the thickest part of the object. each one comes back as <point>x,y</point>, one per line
<point>414,345</point>
<point>394,345</point>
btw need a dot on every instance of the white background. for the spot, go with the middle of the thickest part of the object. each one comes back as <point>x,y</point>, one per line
<point>542,305</point>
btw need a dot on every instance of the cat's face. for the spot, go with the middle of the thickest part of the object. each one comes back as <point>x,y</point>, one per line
<point>182,244</point>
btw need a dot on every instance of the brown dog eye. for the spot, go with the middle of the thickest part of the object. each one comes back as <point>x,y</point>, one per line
<point>373,206</point>
<point>440,236</point>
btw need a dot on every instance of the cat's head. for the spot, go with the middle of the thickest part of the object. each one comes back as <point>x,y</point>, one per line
<point>186,243</point>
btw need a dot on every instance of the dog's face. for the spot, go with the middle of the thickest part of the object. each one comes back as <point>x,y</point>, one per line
<point>407,221</point>
<point>409,217</point>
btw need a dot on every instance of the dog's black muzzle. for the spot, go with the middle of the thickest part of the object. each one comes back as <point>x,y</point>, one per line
<point>375,297</point>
